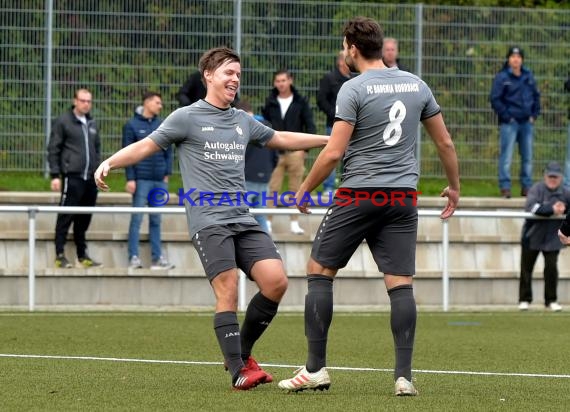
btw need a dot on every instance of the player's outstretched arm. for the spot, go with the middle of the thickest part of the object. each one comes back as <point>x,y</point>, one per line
<point>437,130</point>
<point>296,141</point>
<point>127,156</point>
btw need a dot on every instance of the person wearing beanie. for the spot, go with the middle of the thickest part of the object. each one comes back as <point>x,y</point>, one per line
<point>516,101</point>
<point>544,199</point>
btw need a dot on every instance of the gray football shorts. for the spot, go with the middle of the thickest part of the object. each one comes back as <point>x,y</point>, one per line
<point>233,245</point>
<point>389,230</point>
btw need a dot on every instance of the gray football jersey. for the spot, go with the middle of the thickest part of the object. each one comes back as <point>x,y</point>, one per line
<point>211,145</point>
<point>385,106</point>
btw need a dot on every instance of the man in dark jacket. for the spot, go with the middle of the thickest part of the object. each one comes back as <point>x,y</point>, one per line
<point>546,198</point>
<point>74,152</point>
<point>287,110</point>
<point>516,100</point>
<point>326,101</point>
<point>147,181</point>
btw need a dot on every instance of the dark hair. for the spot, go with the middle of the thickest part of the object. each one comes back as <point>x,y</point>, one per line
<point>366,35</point>
<point>214,58</point>
<point>149,95</point>
<point>282,71</point>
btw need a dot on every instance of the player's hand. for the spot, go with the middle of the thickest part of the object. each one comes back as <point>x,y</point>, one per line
<point>100,174</point>
<point>301,202</point>
<point>452,202</point>
<point>563,238</point>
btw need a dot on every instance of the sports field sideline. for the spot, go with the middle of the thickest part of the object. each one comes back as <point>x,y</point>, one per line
<point>171,361</point>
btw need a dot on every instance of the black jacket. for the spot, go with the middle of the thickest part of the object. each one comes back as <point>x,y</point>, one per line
<point>328,90</point>
<point>541,234</point>
<point>74,148</point>
<point>299,116</point>
<point>192,90</point>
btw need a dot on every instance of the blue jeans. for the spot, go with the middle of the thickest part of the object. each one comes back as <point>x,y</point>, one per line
<point>329,182</point>
<point>567,162</point>
<point>509,133</point>
<point>140,199</point>
<point>258,187</point>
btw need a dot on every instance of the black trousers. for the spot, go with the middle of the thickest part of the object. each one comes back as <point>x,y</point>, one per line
<point>75,192</point>
<point>528,259</point>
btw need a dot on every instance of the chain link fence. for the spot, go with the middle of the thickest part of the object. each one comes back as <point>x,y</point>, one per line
<point>118,49</point>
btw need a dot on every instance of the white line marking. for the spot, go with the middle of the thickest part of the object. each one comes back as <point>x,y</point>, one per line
<point>272,365</point>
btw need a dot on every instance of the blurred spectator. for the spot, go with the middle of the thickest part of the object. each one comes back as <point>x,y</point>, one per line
<point>146,180</point>
<point>287,110</point>
<point>516,100</point>
<point>567,163</point>
<point>546,198</point>
<point>326,101</point>
<point>390,54</point>
<point>74,153</point>
<point>192,90</point>
<point>259,164</point>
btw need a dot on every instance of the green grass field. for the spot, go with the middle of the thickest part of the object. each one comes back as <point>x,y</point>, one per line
<point>502,361</point>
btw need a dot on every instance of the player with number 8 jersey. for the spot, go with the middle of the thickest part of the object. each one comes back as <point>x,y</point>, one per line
<point>376,122</point>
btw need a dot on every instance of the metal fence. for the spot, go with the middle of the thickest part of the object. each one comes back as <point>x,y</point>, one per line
<point>118,49</point>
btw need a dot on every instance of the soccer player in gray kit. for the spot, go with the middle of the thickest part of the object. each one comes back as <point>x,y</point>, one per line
<point>211,138</point>
<point>376,121</point>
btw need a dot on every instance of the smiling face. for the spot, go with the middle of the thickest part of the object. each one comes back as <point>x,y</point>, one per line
<point>223,83</point>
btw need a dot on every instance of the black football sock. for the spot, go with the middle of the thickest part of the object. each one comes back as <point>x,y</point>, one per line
<point>260,312</point>
<point>403,322</point>
<point>318,317</point>
<point>226,327</point>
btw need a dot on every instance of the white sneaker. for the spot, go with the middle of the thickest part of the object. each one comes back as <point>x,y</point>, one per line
<point>523,305</point>
<point>404,387</point>
<point>135,263</point>
<point>162,264</point>
<point>555,307</point>
<point>269,227</point>
<point>305,380</point>
<point>296,229</point>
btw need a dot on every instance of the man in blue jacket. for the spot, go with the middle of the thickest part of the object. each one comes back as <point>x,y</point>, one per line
<point>516,100</point>
<point>147,180</point>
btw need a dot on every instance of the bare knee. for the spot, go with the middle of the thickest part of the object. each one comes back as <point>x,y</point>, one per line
<point>275,289</point>
<point>225,289</point>
<point>315,268</point>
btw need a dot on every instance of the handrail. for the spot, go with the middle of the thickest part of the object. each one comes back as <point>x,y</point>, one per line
<point>32,212</point>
